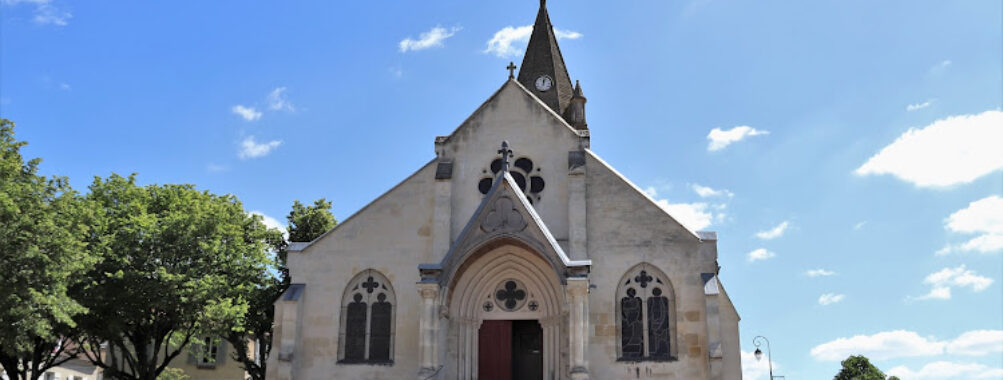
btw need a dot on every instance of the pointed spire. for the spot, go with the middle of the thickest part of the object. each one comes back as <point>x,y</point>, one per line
<point>575,113</point>
<point>542,70</point>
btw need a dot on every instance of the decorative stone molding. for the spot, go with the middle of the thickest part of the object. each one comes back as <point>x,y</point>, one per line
<point>503,217</point>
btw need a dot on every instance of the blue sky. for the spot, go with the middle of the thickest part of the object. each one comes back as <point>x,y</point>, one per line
<point>857,141</point>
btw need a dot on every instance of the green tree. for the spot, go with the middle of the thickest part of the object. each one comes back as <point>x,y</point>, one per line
<point>42,252</point>
<point>173,374</point>
<point>859,368</point>
<point>305,224</point>
<point>309,222</point>
<point>177,263</point>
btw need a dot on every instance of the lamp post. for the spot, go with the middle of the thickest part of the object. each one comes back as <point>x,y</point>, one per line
<point>759,353</point>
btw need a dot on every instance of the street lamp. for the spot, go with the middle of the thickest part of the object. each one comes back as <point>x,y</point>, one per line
<point>759,353</point>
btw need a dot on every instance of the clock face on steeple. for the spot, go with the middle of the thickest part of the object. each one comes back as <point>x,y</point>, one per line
<point>544,82</point>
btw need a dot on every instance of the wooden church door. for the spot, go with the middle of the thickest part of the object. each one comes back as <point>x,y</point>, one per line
<point>527,350</point>
<point>510,350</point>
<point>494,351</point>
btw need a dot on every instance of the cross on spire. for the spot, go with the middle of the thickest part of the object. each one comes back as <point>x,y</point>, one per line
<point>506,154</point>
<point>511,69</point>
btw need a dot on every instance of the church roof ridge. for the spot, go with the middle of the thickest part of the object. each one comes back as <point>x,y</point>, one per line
<point>699,235</point>
<point>302,246</point>
<point>497,92</point>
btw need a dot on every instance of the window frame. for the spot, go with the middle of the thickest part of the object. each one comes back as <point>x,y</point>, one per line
<point>661,281</point>
<point>370,298</point>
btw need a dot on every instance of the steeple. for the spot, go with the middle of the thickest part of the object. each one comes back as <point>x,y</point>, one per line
<point>542,70</point>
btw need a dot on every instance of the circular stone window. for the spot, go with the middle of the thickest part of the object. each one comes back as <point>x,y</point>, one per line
<point>510,295</point>
<point>524,172</point>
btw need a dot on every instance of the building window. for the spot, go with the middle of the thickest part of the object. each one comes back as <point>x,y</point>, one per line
<point>207,352</point>
<point>525,174</point>
<point>646,318</point>
<point>367,320</point>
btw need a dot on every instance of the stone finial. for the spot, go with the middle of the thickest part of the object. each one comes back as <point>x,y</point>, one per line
<point>506,154</point>
<point>511,69</point>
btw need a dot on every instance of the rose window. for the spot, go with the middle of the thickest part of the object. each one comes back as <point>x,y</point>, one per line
<point>525,174</point>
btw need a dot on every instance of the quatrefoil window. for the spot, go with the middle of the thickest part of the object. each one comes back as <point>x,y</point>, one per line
<point>510,295</point>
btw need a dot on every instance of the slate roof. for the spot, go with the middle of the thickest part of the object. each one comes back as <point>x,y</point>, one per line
<point>543,57</point>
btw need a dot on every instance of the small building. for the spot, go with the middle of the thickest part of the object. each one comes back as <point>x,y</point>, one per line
<point>515,253</point>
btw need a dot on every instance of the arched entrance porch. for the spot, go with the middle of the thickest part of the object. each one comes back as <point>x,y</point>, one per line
<point>508,282</point>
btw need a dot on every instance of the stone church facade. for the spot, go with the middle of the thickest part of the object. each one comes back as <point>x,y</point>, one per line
<point>528,259</point>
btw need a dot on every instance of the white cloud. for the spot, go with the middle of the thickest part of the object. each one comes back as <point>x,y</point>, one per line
<point>881,346</point>
<point>435,37</point>
<point>253,149</point>
<point>948,370</point>
<point>753,369</point>
<point>943,280</point>
<point>818,273</point>
<point>45,12</point>
<point>955,150</point>
<point>983,217</point>
<point>720,139</point>
<point>830,298</point>
<point>774,232</point>
<point>707,192</point>
<point>695,216</point>
<point>919,106</point>
<point>64,86</point>
<point>760,254</point>
<point>277,100</point>
<point>501,43</point>
<point>859,225</point>
<point>901,344</point>
<point>271,222</point>
<point>977,343</point>
<point>248,113</point>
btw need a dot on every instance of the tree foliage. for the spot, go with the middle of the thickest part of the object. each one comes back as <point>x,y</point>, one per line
<point>309,222</point>
<point>43,223</point>
<point>858,367</point>
<point>176,263</point>
<point>305,224</point>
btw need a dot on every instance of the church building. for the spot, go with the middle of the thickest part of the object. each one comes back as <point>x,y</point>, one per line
<point>515,253</point>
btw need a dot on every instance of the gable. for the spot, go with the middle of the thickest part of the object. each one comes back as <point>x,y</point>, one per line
<point>505,214</point>
<point>534,132</point>
<point>610,189</point>
<point>413,191</point>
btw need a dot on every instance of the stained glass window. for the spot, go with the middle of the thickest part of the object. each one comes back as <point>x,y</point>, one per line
<point>379,336</point>
<point>367,329</point>
<point>631,326</point>
<point>355,329</point>
<point>658,325</point>
<point>645,315</point>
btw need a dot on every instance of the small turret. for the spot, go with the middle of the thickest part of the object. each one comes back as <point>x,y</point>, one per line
<point>575,113</point>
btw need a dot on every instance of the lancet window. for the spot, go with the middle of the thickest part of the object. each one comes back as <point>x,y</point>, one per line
<point>646,318</point>
<point>367,329</point>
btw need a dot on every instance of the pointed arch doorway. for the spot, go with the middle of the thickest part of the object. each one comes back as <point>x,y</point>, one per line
<point>506,305</point>
<point>510,349</point>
